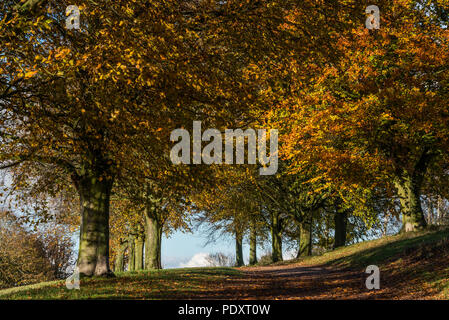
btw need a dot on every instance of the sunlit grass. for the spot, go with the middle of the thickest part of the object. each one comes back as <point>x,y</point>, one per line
<point>155,284</point>
<point>375,251</point>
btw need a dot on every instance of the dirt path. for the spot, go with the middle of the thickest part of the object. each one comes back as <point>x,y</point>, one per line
<point>312,282</point>
<point>289,282</point>
<point>302,282</point>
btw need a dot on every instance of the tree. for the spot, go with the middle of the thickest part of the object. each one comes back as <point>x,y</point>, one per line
<point>297,196</point>
<point>28,257</point>
<point>377,117</point>
<point>341,219</point>
<point>220,259</point>
<point>119,264</point>
<point>73,126</point>
<point>81,95</point>
<point>253,242</point>
<point>229,208</point>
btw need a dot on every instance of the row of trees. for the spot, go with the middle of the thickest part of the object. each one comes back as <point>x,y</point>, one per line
<point>88,113</point>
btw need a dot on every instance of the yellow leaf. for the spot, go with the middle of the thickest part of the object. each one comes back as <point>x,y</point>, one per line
<point>30,74</point>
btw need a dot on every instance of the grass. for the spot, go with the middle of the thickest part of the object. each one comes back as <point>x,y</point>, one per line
<point>155,284</point>
<point>377,252</point>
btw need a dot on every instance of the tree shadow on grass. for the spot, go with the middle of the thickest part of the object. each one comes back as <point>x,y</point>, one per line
<point>387,252</point>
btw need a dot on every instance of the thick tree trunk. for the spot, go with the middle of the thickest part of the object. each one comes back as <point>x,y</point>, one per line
<point>409,192</point>
<point>252,244</point>
<point>93,255</point>
<point>139,245</point>
<point>132,253</point>
<point>276,237</point>
<point>341,219</point>
<point>305,239</point>
<point>153,242</point>
<point>238,250</point>
<point>119,265</point>
<point>409,186</point>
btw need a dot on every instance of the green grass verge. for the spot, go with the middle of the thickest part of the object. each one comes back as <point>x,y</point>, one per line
<point>380,251</point>
<point>156,284</point>
<point>375,252</point>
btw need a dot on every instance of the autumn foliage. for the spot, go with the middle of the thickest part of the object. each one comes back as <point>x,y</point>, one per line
<point>86,117</point>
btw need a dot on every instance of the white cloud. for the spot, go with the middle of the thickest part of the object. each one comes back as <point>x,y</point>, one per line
<point>198,260</point>
<point>290,254</point>
<point>169,262</point>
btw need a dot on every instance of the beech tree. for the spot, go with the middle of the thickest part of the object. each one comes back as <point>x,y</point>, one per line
<point>377,116</point>
<point>79,95</point>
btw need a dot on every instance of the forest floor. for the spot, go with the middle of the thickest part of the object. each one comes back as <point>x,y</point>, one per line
<point>412,266</point>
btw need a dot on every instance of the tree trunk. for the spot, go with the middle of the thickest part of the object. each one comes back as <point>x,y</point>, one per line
<point>132,253</point>
<point>341,219</point>
<point>93,256</point>
<point>119,265</point>
<point>409,186</point>
<point>153,239</point>
<point>139,245</point>
<point>138,248</point>
<point>238,250</point>
<point>276,237</point>
<point>253,244</point>
<point>305,238</point>
<point>409,191</point>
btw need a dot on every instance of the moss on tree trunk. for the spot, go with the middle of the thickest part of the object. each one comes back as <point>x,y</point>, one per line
<point>276,237</point>
<point>238,249</point>
<point>119,265</point>
<point>138,247</point>
<point>132,253</point>
<point>305,238</point>
<point>408,184</point>
<point>252,243</point>
<point>93,255</point>
<point>409,192</point>
<point>153,241</point>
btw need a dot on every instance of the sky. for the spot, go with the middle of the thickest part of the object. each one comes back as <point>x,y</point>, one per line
<point>183,250</point>
<point>188,250</point>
